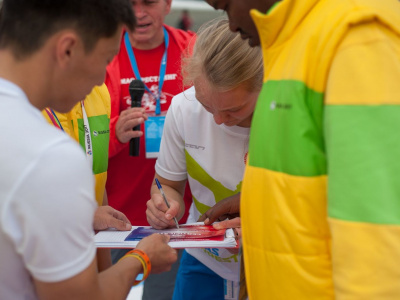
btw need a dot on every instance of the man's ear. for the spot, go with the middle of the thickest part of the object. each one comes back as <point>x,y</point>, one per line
<point>168,7</point>
<point>66,47</point>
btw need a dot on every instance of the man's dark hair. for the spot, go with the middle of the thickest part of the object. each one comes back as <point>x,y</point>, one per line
<point>25,25</point>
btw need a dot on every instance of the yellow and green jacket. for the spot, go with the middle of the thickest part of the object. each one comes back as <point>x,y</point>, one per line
<point>320,201</point>
<point>98,109</point>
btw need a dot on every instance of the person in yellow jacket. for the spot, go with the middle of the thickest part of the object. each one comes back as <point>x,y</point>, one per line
<point>88,124</point>
<point>98,108</point>
<point>320,204</point>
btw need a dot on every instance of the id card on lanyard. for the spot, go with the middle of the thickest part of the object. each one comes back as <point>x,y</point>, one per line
<point>154,125</point>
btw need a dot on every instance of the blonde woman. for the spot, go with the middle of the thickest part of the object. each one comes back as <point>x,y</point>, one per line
<point>205,142</point>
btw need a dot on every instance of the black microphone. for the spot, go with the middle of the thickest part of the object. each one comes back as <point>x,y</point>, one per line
<point>136,90</point>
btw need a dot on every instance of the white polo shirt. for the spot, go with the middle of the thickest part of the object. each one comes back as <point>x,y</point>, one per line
<point>46,200</point>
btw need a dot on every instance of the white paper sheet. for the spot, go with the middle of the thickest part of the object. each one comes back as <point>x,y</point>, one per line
<point>112,238</point>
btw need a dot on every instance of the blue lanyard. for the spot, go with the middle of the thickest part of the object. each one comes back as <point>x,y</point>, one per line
<point>163,67</point>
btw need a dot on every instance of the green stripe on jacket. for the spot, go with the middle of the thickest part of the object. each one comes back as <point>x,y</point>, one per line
<point>353,173</point>
<point>291,114</point>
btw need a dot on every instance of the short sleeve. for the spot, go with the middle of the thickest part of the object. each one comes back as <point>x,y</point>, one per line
<point>171,163</point>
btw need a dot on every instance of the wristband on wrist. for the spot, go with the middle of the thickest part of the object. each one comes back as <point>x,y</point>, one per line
<point>144,260</point>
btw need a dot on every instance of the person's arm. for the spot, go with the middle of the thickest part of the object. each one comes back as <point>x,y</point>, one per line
<point>170,171</point>
<point>103,259</point>
<point>121,122</point>
<point>103,254</point>
<point>108,217</point>
<point>361,121</point>
<point>158,214</point>
<point>105,198</point>
<point>234,223</point>
<point>54,235</point>
<point>115,282</point>
<point>227,208</point>
<point>127,120</point>
<point>227,211</point>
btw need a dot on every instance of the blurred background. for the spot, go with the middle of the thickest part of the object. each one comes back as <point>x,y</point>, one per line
<point>198,12</point>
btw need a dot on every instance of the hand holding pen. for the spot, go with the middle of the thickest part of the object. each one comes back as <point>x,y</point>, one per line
<point>165,200</point>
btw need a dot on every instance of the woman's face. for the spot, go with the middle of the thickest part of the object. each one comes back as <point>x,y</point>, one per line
<point>233,107</point>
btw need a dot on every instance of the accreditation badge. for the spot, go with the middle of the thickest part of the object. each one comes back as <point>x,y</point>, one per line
<point>153,130</point>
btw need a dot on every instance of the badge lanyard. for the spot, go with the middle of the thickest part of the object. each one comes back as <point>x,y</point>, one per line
<point>163,67</point>
<point>53,117</point>
<point>88,139</point>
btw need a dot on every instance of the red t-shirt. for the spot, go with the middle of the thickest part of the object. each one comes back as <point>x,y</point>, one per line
<point>130,178</point>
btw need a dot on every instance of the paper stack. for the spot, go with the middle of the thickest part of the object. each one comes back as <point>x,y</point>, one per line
<point>196,235</point>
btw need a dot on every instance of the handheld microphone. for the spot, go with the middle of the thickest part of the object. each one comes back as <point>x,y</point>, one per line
<point>136,91</point>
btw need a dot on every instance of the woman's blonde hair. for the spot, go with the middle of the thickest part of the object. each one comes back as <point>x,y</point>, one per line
<point>224,58</point>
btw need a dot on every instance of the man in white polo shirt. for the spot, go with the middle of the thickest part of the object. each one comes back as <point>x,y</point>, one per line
<point>52,53</point>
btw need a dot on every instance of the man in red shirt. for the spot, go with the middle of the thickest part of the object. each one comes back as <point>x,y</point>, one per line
<point>140,57</point>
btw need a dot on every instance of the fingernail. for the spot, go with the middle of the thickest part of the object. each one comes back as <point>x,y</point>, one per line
<point>206,221</point>
<point>128,226</point>
<point>168,216</point>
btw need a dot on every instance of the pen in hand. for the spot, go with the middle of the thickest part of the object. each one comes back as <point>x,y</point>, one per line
<point>165,199</point>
